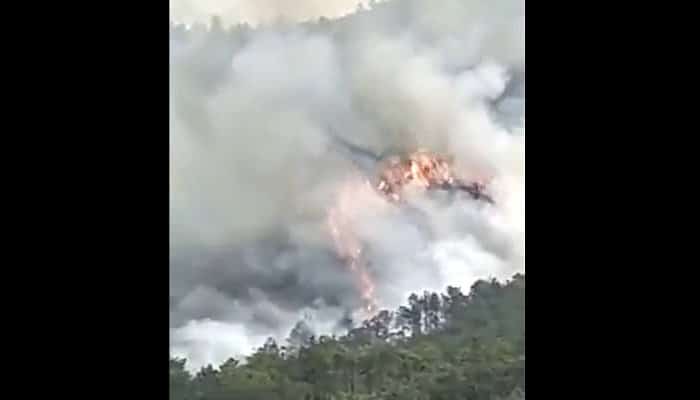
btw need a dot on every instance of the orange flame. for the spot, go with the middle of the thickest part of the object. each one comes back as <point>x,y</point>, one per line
<point>423,169</point>
<point>348,246</point>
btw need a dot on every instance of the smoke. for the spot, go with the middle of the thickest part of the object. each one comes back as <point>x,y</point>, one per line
<point>253,171</point>
<point>260,11</point>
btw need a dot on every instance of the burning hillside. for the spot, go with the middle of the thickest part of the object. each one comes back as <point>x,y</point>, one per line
<point>267,222</point>
<point>417,171</point>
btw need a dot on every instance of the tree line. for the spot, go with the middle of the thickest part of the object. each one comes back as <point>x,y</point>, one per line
<point>439,346</point>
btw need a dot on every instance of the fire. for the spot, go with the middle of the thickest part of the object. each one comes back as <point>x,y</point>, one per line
<point>426,170</point>
<point>423,170</point>
<point>348,246</point>
<point>419,168</point>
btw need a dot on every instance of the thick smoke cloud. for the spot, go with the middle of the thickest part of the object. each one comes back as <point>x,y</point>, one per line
<point>260,11</point>
<point>253,171</point>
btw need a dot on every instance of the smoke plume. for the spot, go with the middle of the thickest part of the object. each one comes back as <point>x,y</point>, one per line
<point>260,11</point>
<point>254,171</point>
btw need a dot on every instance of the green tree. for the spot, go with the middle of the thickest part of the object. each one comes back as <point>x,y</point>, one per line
<point>458,347</point>
<point>180,385</point>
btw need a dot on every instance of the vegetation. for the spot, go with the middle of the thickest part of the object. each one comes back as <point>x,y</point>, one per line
<point>438,347</point>
<point>445,346</point>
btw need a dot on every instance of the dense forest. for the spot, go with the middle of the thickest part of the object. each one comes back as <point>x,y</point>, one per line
<point>437,347</point>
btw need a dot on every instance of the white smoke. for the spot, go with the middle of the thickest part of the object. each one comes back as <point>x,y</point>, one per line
<point>260,11</point>
<point>252,171</point>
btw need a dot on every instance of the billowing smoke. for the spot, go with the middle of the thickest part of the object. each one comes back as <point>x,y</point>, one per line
<point>260,11</point>
<point>254,172</point>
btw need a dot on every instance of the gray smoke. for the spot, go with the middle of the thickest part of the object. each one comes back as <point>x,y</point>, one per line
<point>254,171</point>
<point>260,11</point>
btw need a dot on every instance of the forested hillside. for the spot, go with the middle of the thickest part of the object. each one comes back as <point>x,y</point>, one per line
<point>438,347</point>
